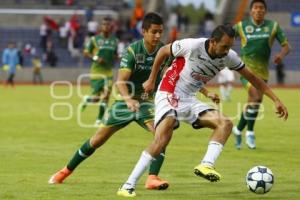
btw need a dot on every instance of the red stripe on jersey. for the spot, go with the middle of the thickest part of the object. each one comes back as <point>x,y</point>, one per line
<point>171,77</point>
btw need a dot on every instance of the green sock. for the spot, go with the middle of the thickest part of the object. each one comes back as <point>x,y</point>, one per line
<point>85,151</point>
<point>252,112</point>
<point>242,123</point>
<point>102,108</point>
<point>89,100</point>
<point>157,163</point>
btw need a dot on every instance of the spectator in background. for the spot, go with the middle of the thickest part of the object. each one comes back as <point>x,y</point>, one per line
<point>10,61</point>
<point>73,39</point>
<point>51,57</point>
<point>173,34</point>
<point>138,12</point>
<point>225,80</point>
<point>20,53</point>
<point>209,23</point>
<point>92,27</point>
<point>280,75</point>
<point>44,31</point>
<point>137,17</point>
<point>70,2</point>
<point>37,67</point>
<point>184,23</point>
<point>89,13</point>
<point>173,20</point>
<point>64,29</point>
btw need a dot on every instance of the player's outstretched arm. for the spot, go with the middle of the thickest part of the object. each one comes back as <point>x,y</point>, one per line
<point>285,49</point>
<point>262,86</point>
<point>161,55</point>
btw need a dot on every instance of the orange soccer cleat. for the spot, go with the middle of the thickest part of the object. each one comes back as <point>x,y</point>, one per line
<point>59,176</point>
<point>155,183</point>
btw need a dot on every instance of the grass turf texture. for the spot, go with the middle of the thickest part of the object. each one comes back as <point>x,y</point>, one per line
<point>33,146</point>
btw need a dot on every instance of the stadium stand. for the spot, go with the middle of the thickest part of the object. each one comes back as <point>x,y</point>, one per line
<point>283,6</point>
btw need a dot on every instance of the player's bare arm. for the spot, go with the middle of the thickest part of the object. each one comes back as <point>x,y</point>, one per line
<point>162,54</point>
<point>285,49</point>
<point>211,95</point>
<point>262,86</point>
<point>123,77</point>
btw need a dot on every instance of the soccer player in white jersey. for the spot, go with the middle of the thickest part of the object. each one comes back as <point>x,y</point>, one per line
<point>196,62</point>
<point>226,79</point>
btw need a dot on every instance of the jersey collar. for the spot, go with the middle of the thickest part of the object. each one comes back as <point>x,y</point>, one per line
<point>258,25</point>
<point>206,45</point>
<point>147,50</point>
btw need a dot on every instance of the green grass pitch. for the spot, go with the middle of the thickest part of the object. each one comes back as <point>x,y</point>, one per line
<point>33,146</point>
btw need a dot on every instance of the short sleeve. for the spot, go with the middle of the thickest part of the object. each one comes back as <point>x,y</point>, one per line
<point>233,61</point>
<point>280,36</point>
<point>181,47</point>
<point>128,59</point>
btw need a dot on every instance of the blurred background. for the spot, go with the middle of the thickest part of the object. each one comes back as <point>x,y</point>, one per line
<point>54,32</point>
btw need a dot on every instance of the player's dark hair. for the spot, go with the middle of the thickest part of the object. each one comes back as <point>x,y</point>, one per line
<point>221,30</point>
<point>258,1</point>
<point>151,18</point>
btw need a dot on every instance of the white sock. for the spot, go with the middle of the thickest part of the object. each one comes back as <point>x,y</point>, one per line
<point>223,92</point>
<point>249,133</point>
<point>213,151</point>
<point>140,167</point>
<point>228,91</point>
<point>236,131</point>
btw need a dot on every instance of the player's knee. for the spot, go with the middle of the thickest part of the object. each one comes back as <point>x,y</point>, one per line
<point>226,125</point>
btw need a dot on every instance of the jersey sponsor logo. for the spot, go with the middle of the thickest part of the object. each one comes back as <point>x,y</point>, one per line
<point>149,58</point>
<point>201,58</point>
<point>177,46</point>
<point>200,77</point>
<point>140,58</point>
<point>100,42</point>
<point>260,36</point>
<point>266,29</point>
<point>249,29</point>
<point>144,67</point>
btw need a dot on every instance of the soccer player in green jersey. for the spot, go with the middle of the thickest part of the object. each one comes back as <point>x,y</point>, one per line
<point>102,49</point>
<point>132,104</point>
<point>257,36</point>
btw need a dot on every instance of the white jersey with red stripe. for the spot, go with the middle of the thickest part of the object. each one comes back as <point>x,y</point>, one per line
<point>192,67</point>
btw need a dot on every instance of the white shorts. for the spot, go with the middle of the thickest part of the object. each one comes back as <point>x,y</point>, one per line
<point>226,75</point>
<point>184,109</point>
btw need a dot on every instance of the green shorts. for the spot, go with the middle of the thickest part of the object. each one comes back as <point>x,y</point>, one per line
<point>98,85</point>
<point>246,83</point>
<point>119,115</point>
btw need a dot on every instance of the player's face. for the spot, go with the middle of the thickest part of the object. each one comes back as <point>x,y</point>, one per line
<point>221,48</point>
<point>105,26</point>
<point>153,35</point>
<point>258,12</point>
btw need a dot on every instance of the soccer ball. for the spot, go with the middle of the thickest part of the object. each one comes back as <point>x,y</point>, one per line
<point>259,179</point>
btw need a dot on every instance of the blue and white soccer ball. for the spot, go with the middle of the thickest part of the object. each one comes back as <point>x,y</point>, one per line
<point>259,179</point>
